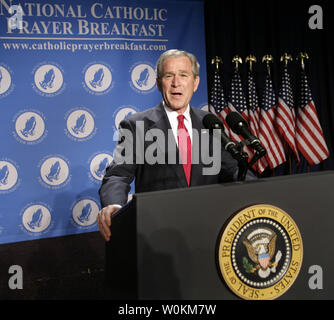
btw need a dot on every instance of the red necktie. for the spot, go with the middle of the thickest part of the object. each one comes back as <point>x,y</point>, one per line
<point>184,147</point>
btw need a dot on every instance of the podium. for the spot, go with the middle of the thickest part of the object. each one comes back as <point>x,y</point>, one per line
<point>164,243</point>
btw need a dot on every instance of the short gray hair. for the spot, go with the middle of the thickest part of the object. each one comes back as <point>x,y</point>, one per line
<point>177,53</point>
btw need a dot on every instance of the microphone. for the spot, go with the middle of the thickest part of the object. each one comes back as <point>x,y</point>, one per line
<point>240,126</point>
<point>210,121</point>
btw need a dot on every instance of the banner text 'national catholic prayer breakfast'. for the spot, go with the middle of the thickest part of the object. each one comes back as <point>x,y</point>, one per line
<point>123,20</point>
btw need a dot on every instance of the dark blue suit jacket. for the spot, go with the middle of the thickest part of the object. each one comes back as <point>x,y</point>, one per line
<point>159,176</point>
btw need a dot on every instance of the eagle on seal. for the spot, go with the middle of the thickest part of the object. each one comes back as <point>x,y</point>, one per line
<point>261,246</point>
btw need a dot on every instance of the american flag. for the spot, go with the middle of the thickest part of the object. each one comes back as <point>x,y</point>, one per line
<point>309,135</point>
<point>218,105</point>
<point>286,116</point>
<point>237,102</point>
<point>267,134</point>
<point>254,117</point>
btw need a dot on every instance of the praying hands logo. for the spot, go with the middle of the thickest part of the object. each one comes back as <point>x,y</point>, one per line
<point>98,164</point>
<point>80,124</point>
<point>29,127</point>
<point>102,167</point>
<point>48,79</point>
<point>143,78</point>
<point>36,219</point>
<point>5,80</point>
<point>85,213</point>
<point>4,172</point>
<point>9,177</point>
<point>98,78</point>
<point>54,172</point>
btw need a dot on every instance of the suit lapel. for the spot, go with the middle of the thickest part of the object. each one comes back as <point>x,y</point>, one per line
<point>170,150</point>
<point>159,120</point>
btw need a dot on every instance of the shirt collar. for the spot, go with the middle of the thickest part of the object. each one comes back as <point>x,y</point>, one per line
<point>174,114</point>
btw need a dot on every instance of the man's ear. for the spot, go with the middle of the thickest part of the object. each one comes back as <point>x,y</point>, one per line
<point>196,83</point>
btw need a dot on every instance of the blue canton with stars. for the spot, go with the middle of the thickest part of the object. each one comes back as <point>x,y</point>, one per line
<point>305,94</point>
<point>237,98</point>
<point>285,91</point>
<point>253,100</point>
<point>269,98</point>
<point>217,94</point>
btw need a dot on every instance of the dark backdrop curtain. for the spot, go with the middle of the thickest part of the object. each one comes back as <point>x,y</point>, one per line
<point>275,27</point>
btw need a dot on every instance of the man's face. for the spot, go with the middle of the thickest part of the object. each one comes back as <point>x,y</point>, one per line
<point>177,84</point>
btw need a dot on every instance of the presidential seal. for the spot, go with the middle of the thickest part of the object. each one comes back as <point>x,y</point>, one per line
<point>260,252</point>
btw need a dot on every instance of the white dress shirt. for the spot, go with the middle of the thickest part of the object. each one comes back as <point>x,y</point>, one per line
<point>174,122</point>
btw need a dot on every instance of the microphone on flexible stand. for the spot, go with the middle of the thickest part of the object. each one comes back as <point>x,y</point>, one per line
<point>240,126</point>
<point>210,121</point>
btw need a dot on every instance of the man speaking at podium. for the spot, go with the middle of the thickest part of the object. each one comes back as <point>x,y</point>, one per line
<point>177,80</point>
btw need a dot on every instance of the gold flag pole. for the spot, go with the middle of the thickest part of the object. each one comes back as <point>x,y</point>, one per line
<point>236,59</point>
<point>302,56</point>
<point>217,60</point>
<point>251,59</point>
<point>286,58</point>
<point>267,59</point>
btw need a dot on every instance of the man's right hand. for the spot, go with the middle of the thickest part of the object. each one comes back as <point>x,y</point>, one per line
<point>104,218</point>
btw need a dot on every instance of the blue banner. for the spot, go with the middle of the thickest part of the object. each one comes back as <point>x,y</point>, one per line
<point>70,71</point>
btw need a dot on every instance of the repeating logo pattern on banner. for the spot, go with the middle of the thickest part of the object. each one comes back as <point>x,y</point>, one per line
<point>143,78</point>
<point>123,112</point>
<point>9,176</point>
<point>6,84</point>
<point>36,219</point>
<point>97,166</point>
<point>98,78</point>
<point>68,78</point>
<point>80,124</point>
<point>54,172</point>
<point>84,213</point>
<point>29,127</point>
<point>48,79</point>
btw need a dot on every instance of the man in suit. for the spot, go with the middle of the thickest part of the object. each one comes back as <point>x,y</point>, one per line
<point>179,125</point>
